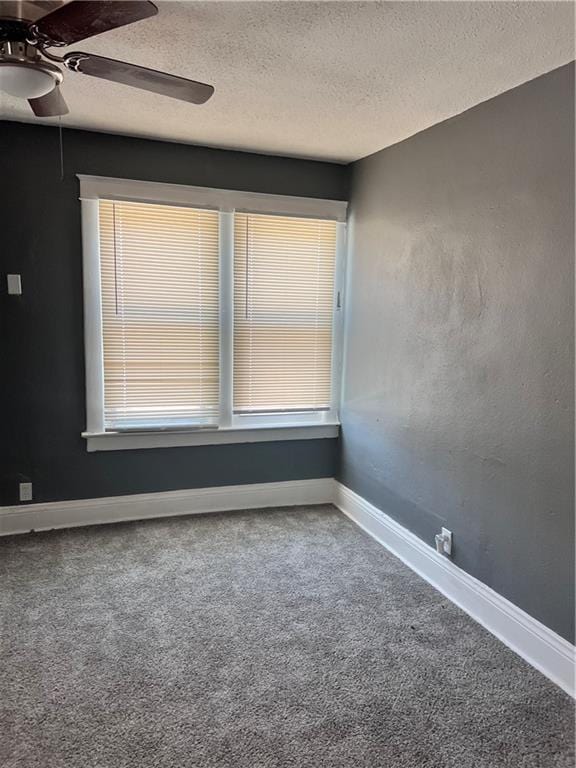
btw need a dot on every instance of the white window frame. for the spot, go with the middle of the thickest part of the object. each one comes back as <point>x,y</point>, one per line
<point>232,428</point>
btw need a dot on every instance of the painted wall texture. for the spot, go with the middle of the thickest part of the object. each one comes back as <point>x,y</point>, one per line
<point>458,395</point>
<point>41,338</point>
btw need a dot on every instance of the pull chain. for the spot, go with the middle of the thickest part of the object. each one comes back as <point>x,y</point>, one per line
<point>61,148</point>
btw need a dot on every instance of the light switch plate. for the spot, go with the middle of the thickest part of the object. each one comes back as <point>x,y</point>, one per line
<point>14,285</point>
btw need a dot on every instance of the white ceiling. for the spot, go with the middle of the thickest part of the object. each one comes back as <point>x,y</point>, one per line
<point>330,80</point>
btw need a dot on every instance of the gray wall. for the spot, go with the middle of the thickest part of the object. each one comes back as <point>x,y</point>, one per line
<point>458,404</point>
<point>41,333</point>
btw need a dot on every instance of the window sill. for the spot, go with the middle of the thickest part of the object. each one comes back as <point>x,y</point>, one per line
<point>122,441</point>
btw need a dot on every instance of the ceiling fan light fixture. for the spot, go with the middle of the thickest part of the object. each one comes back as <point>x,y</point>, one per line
<point>27,81</point>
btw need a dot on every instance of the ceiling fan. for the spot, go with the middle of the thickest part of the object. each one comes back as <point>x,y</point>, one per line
<point>24,48</point>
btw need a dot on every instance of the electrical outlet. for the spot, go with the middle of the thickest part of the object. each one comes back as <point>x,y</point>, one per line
<point>444,542</point>
<point>25,491</point>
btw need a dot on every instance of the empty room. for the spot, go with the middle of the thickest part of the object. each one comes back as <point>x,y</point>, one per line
<point>287,374</point>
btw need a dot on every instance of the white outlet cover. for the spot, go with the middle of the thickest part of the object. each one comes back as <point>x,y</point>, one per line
<point>14,285</point>
<point>25,491</point>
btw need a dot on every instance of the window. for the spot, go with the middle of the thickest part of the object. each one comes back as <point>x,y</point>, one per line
<point>283,310</point>
<point>210,316</point>
<point>159,276</point>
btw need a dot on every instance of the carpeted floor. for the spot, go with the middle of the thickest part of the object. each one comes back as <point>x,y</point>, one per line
<point>259,639</point>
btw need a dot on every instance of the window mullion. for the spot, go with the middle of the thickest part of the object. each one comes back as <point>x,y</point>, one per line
<point>226,310</point>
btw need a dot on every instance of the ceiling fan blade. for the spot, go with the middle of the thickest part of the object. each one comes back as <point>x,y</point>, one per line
<point>85,18</point>
<point>28,10</point>
<point>51,105</point>
<point>139,77</point>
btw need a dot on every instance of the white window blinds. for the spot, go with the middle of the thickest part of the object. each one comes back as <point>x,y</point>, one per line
<point>159,283</point>
<point>283,309</point>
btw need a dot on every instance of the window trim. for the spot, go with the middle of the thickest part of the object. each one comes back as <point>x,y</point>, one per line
<point>232,428</point>
<point>106,188</point>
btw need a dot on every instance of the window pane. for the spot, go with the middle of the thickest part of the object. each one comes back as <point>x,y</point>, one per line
<point>283,307</point>
<point>159,272</point>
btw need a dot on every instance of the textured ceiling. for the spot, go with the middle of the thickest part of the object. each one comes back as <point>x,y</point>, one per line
<point>330,80</point>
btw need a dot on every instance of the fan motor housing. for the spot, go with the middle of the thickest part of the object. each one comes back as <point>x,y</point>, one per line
<point>18,50</point>
<point>11,29</point>
<point>21,52</point>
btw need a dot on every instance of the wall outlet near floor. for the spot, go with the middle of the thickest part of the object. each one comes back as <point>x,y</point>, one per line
<point>444,542</point>
<point>25,491</point>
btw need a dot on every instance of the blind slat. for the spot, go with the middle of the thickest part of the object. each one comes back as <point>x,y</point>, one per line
<point>283,305</point>
<point>159,275</point>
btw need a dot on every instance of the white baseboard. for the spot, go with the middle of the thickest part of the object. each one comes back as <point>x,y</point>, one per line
<point>114,509</point>
<point>539,646</point>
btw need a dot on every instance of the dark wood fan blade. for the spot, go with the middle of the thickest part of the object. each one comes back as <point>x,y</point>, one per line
<point>139,77</point>
<point>51,105</point>
<point>28,10</point>
<point>85,18</point>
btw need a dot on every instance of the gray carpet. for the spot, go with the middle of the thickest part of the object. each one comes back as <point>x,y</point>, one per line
<point>261,639</point>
